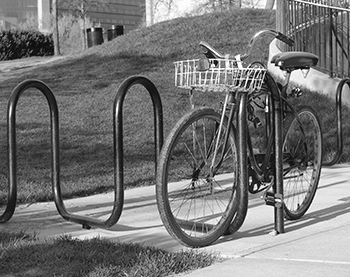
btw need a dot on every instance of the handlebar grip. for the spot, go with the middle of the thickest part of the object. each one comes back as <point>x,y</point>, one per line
<point>285,39</point>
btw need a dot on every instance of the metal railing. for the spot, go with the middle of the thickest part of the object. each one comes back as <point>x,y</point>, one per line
<point>321,27</point>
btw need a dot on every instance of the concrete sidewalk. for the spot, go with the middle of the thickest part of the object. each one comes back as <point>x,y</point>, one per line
<point>316,245</point>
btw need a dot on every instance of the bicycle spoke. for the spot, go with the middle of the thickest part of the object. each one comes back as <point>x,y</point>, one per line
<point>302,166</point>
<point>198,203</point>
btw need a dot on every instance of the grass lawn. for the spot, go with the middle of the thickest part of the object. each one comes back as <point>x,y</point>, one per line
<point>25,255</point>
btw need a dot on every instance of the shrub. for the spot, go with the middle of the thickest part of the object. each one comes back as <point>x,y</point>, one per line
<point>17,44</point>
<point>71,38</point>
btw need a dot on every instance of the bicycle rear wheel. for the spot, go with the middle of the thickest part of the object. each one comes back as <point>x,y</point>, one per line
<point>302,161</point>
<point>195,202</point>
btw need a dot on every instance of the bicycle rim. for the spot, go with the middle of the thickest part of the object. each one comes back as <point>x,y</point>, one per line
<point>302,150</point>
<point>195,205</point>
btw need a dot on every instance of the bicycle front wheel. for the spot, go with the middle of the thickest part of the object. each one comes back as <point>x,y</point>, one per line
<point>302,155</point>
<point>195,190</point>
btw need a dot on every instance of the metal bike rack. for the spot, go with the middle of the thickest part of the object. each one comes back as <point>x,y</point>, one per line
<point>86,222</point>
<point>242,126</point>
<point>338,104</point>
<point>278,182</point>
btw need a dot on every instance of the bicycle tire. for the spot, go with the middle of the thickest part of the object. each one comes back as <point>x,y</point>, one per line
<point>302,161</point>
<point>206,203</point>
<point>240,213</point>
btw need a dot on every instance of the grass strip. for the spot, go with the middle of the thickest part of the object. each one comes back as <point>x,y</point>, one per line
<point>27,255</point>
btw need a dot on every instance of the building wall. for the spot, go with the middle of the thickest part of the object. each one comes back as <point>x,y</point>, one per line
<point>19,9</point>
<point>129,13</point>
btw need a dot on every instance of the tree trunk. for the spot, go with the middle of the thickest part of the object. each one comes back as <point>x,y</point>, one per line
<point>84,32</point>
<point>83,10</point>
<point>269,4</point>
<point>55,28</point>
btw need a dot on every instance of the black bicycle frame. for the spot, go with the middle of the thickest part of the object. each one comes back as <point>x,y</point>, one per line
<point>269,131</point>
<point>276,137</point>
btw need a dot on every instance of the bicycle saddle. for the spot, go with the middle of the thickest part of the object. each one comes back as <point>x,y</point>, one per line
<point>290,61</point>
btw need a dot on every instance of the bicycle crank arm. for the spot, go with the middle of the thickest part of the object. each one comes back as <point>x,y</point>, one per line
<point>294,176</point>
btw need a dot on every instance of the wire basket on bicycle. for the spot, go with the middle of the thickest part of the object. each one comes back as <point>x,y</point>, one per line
<point>217,75</point>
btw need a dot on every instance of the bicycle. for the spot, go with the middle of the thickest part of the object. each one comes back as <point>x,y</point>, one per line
<point>198,193</point>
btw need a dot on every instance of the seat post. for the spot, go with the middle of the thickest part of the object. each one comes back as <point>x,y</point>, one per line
<point>285,83</point>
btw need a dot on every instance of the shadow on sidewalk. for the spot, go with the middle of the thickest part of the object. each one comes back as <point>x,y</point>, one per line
<point>313,218</point>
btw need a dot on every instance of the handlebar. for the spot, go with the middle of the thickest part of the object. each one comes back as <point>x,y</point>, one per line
<point>285,39</point>
<point>211,53</point>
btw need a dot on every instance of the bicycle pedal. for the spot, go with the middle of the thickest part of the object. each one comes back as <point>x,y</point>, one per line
<point>273,199</point>
<point>269,197</point>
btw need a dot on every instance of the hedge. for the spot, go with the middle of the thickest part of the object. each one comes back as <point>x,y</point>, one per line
<point>17,44</point>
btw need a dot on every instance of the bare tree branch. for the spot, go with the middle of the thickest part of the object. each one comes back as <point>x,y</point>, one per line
<point>269,4</point>
<point>167,3</point>
<point>219,5</point>
<point>82,7</point>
